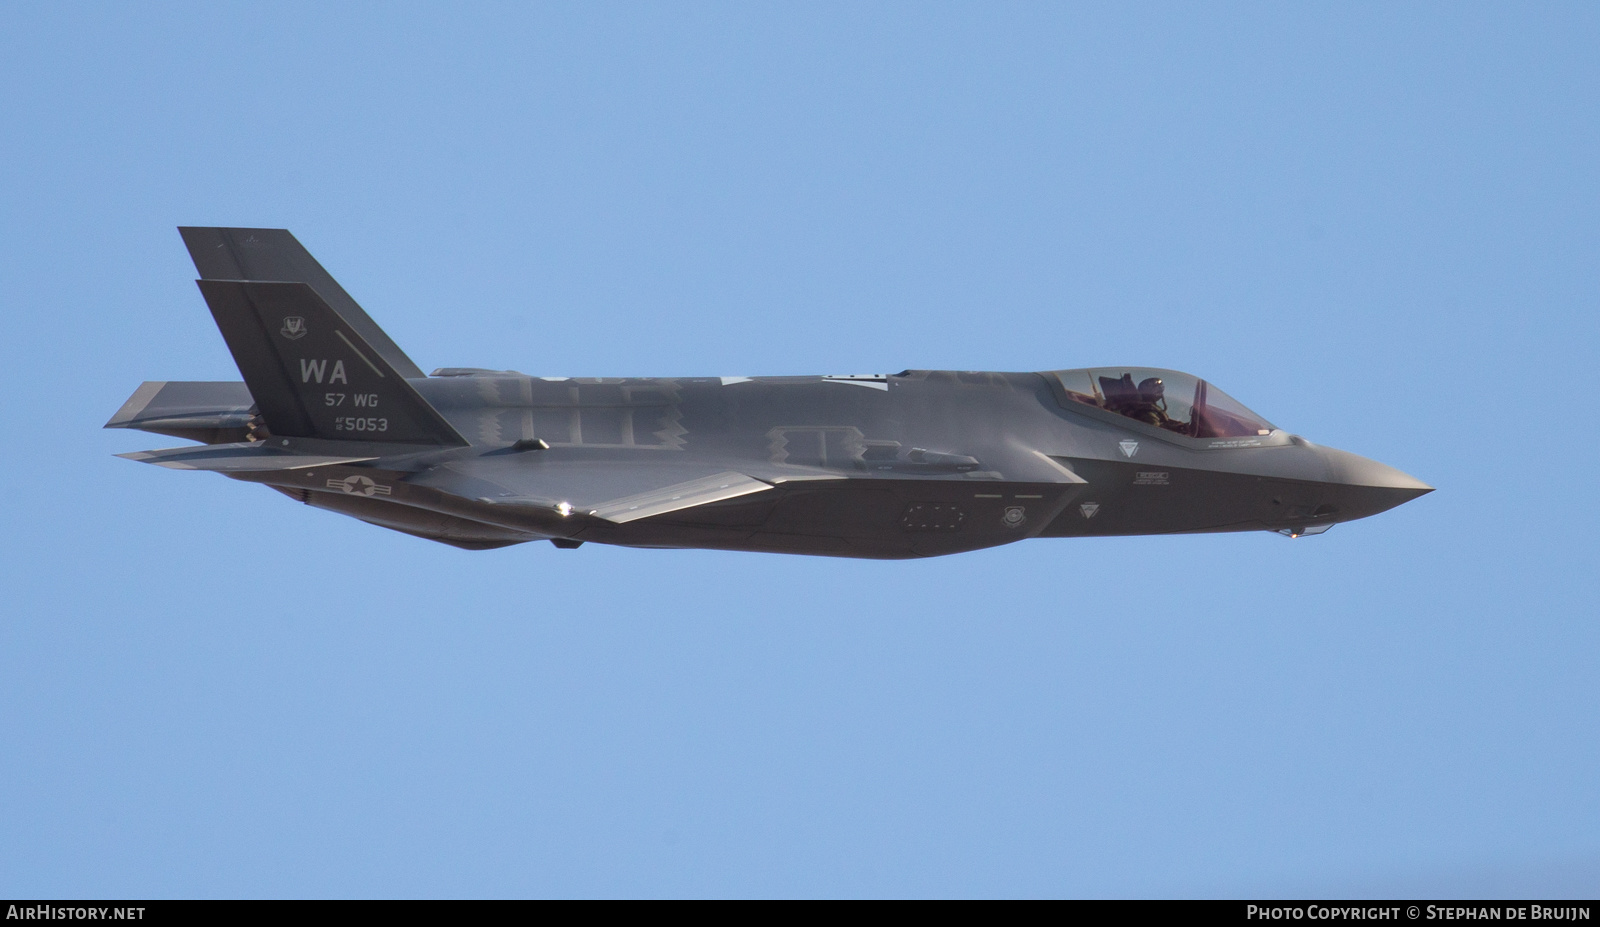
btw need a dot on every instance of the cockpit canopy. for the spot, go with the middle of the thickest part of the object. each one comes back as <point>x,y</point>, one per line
<point>1167,399</point>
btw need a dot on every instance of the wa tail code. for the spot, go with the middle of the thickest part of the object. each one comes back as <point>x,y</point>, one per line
<point>312,371</point>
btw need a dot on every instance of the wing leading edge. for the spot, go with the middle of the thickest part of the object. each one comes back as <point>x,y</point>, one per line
<point>616,492</point>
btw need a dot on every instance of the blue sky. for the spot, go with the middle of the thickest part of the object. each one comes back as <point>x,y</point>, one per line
<point>1373,223</point>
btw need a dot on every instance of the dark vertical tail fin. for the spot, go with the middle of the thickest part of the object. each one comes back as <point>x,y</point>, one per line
<point>312,373</point>
<point>273,255</point>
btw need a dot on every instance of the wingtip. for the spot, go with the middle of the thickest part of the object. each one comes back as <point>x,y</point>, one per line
<point>223,228</point>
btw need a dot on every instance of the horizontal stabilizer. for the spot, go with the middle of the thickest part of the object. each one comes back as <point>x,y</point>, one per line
<point>200,411</point>
<point>247,457</point>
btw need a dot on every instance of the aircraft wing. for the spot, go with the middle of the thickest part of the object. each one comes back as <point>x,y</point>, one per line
<point>686,495</point>
<point>617,492</point>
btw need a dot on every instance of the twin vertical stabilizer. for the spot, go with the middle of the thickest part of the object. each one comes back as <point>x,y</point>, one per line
<point>316,364</point>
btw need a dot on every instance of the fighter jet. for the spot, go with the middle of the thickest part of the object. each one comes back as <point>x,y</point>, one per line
<point>912,464</point>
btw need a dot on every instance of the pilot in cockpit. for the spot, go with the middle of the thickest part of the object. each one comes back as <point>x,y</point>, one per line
<point>1146,402</point>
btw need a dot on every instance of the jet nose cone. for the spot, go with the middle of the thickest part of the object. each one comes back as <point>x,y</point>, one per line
<point>1353,470</point>
<point>1367,487</point>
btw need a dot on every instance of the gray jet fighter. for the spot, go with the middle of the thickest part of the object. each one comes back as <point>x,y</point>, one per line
<point>913,464</point>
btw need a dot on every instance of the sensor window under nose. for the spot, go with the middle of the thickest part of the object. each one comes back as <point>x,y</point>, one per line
<point>1307,531</point>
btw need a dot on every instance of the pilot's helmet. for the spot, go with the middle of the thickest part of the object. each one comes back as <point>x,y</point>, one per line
<point>1151,390</point>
